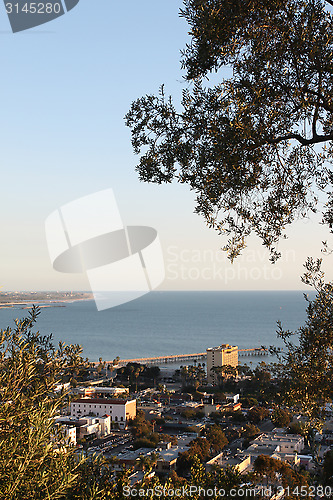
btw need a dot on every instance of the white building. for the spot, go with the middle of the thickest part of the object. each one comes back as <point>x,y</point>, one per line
<point>77,428</point>
<point>70,434</point>
<point>120,410</point>
<point>100,426</point>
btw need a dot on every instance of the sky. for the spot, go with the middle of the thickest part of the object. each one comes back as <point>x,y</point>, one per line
<point>66,87</point>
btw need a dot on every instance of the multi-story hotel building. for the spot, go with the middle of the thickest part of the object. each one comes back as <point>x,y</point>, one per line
<point>120,410</point>
<point>224,354</point>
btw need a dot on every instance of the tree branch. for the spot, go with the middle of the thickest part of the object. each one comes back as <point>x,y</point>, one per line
<point>314,121</point>
<point>316,139</point>
<point>316,111</point>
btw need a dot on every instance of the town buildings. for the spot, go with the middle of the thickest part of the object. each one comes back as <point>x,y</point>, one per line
<point>276,444</point>
<point>224,354</point>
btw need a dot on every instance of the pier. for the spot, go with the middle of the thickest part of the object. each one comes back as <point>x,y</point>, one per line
<point>255,351</point>
<point>198,356</point>
<point>160,360</point>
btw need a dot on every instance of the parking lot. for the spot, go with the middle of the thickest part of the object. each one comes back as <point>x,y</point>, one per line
<point>112,444</point>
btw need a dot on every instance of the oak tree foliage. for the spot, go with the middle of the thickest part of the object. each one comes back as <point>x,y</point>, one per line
<point>255,146</point>
<point>306,368</point>
<point>36,461</point>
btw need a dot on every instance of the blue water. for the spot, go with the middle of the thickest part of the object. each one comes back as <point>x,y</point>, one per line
<point>171,322</point>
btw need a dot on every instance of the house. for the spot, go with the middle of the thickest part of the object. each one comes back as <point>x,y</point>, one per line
<point>241,462</point>
<point>232,398</point>
<point>131,458</point>
<point>168,456</point>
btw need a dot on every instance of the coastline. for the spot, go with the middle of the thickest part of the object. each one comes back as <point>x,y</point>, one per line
<point>43,303</point>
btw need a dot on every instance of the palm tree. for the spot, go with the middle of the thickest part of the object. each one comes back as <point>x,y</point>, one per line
<point>153,422</point>
<point>116,361</point>
<point>230,371</point>
<point>137,372</point>
<point>219,373</point>
<point>147,462</point>
<point>184,374</point>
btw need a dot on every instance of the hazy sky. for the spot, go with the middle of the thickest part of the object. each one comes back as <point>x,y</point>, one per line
<point>66,87</point>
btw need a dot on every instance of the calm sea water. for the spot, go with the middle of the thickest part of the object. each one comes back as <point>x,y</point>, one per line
<point>171,322</point>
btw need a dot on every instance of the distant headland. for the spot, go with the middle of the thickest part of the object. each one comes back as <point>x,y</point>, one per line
<point>42,299</point>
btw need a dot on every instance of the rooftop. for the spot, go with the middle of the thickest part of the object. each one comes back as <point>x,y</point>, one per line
<point>277,438</point>
<point>104,401</point>
<point>222,347</point>
<point>171,453</point>
<point>135,454</point>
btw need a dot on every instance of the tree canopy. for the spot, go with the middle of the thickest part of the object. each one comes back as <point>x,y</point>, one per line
<point>255,147</point>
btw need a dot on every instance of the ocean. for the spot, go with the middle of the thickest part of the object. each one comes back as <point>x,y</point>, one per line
<point>162,323</point>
